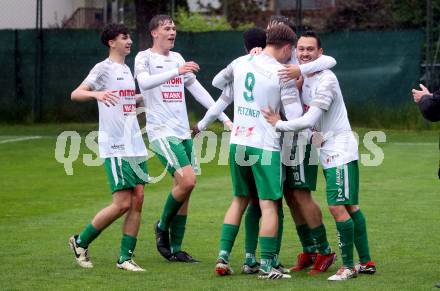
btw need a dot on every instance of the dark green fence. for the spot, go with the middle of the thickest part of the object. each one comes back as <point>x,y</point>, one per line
<point>376,70</point>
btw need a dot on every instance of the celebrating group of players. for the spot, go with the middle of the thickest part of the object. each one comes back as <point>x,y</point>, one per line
<point>264,165</point>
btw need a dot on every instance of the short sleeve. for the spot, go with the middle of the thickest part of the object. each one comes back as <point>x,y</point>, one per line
<point>95,78</point>
<point>141,63</point>
<point>326,92</point>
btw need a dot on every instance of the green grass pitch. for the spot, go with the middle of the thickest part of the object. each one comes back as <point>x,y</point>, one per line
<point>41,207</point>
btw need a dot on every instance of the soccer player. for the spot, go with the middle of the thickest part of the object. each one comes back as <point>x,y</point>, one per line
<point>254,145</point>
<point>300,181</point>
<point>338,156</point>
<point>162,76</point>
<point>112,85</point>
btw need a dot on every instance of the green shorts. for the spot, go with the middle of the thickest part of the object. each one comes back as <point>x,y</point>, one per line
<point>174,153</point>
<point>263,176</point>
<point>343,184</point>
<point>126,173</point>
<point>303,175</point>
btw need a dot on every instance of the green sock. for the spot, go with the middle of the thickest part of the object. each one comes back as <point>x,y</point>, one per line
<point>177,231</point>
<point>251,229</point>
<point>320,237</point>
<point>268,247</point>
<point>229,233</point>
<point>128,243</point>
<point>346,238</point>
<point>169,211</point>
<point>306,239</point>
<point>279,234</point>
<point>87,236</point>
<point>360,236</point>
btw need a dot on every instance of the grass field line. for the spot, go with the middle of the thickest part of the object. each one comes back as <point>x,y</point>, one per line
<point>22,138</point>
<point>414,143</point>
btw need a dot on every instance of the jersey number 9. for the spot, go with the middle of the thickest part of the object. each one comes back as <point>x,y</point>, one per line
<point>249,84</point>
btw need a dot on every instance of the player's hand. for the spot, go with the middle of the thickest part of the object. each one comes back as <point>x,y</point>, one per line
<point>107,97</point>
<point>228,125</point>
<point>317,139</point>
<point>189,67</point>
<point>299,83</point>
<point>271,116</point>
<point>255,51</point>
<point>195,130</point>
<point>289,72</point>
<point>418,94</point>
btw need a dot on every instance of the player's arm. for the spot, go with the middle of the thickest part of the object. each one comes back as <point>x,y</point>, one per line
<point>320,64</point>
<point>204,98</point>
<point>147,81</point>
<point>91,88</point>
<point>214,111</point>
<point>224,77</point>
<point>325,94</point>
<point>84,93</point>
<point>293,71</point>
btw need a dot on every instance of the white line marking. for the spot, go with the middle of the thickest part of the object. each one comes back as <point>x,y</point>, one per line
<point>20,139</point>
<point>415,143</point>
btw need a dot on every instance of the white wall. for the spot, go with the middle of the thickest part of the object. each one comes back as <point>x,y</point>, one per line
<point>22,13</point>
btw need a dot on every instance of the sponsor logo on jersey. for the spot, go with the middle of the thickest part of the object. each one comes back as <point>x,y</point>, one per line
<point>119,78</point>
<point>172,90</point>
<point>306,108</point>
<point>127,92</point>
<point>118,147</point>
<point>129,108</point>
<point>172,96</point>
<point>244,131</point>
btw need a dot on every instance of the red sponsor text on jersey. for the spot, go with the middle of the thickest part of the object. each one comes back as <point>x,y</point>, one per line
<point>126,92</point>
<point>175,81</point>
<point>129,107</point>
<point>172,95</point>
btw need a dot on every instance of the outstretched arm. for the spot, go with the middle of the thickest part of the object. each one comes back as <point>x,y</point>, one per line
<point>217,109</point>
<point>308,120</point>
<point>203,97</point>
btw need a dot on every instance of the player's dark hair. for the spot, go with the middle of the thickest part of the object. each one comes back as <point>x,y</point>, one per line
<point>111,31</point>
<point>279,35</point>
<point>277,19</point>
<point>311,33</point>
<point>254,37</point>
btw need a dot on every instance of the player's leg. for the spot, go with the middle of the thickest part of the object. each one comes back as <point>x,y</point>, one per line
<point>240,184</point>
<point>300,177</point>
<point>120,204</point>
<point>312,214</point>
<point>135,175</point>
<point>251,230</point>
<point>178,223</point>
<point>366,265</point>
<point>130,231</point>
<point>267,175</point>
<point>171,153</point>
<point>338,196</point>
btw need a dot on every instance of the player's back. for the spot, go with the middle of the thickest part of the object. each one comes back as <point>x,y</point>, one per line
<point>256,87</point>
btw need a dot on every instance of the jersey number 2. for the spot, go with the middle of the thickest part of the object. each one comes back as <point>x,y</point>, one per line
<point>249,84</point>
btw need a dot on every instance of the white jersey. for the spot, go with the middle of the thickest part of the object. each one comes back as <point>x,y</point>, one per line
<point>119,132</point>
<point>165,104</point>
<point>256,86</point>
<point>322,90</point>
